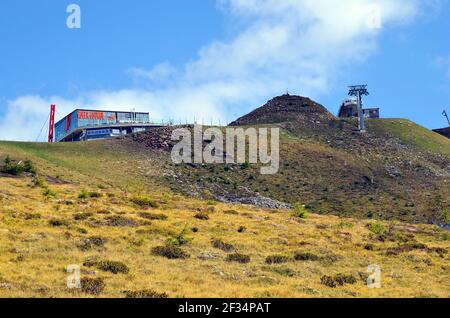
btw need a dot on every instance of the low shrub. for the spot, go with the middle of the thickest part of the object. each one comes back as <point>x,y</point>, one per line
<point>94,194</point>
<point>113,267</point>
<point>300,256</point>
<point>83,194</point>
<point>338,280</point>
<point>342,279</point>
<point>329,259</point>
<point>93,286</point>
<point>144,201</point>
<point>276,259</point>
<point>17,168</point>
<point>239,258</point>
<point>300,211</point>
<point>147,293</point>
<point>170,252</point>
<point>446,216</point>
<point>120,221</point>
<point>202,216</point>
<point>376,228</point>
<point>32,216</point>
<point>91,242</point>
<point>328,281</point>
<point>48,193</point>
<point>153,216</point>
<point>39,182</point>
<point>58,222</point>
<point>226,247</point>
<point>107,266</point>
<point>180,238</point>
<point>82,216</point>
<point>405,248</point>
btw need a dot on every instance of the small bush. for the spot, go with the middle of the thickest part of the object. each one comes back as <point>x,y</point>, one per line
<point>96,241</point>
<point>342,279</point>
<point>376,228</point>
<point>28,166</point>
<point>39,182</point>
<point>228,248</point>
<point>153,216</point>
<point>180,238</point>
<point>113,267</point>
<point>83,195</point>
<point>202,216</point>
<point>148,293</point>
<point>58,222</point>
<point>329,259</point>
<point>48,193</point>
<point>82,216</point>
<point>239,258</point>
<point>300,211</point>
<point>170,252</point>
<point>338,280</point>
<point>119,221</point>
<point>93,286</point>
<point>276,259</point>
<point>328,281</point>
<point>300,256</point>
<point>405,248</point>
<point>446,216</point>
<point>32,216</point>
<point>144,201</point>
<point>17,168</point>
<point>94,194</point>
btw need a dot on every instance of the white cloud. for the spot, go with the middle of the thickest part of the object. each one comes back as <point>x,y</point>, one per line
<point>298,45</point>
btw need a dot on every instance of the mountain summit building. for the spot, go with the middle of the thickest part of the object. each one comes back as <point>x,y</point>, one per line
<point>84,124</point>
<point>349,108</point>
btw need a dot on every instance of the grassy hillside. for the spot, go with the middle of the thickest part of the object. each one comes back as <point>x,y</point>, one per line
<point>412,134</point>
<point>119,209</point>
<point>398,170</point>
<point>114,236</point>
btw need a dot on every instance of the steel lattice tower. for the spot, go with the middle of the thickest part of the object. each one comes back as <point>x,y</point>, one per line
<point>359,91</point>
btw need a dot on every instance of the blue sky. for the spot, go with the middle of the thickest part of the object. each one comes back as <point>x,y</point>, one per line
<point>217,60</point>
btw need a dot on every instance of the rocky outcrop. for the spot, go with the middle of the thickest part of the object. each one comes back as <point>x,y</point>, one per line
<point>286,108</point>
<point>157,138</point>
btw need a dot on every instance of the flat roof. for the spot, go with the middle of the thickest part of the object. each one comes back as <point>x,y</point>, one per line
<point>102,111</point>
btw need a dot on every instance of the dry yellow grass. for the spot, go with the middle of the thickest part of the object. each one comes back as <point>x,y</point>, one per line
<point>35,254</point>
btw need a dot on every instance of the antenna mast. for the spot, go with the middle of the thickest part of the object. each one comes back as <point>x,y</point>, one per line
<point>446,116</point>
<point>359,91</point>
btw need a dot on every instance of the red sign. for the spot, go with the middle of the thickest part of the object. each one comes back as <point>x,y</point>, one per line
<point>91,115</point>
